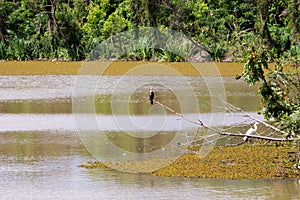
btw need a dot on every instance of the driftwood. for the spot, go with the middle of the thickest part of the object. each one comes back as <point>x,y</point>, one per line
<point>257,120</point>
<point>231,107</point>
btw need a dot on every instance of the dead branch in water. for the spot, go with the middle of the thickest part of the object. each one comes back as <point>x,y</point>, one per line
<point>233,108</point>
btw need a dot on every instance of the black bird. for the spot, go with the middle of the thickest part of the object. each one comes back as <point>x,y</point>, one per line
<point>151,95</point>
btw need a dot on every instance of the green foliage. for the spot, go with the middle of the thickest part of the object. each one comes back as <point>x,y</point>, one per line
<point>96,18</point>
<point>253,68</point>
<point>73,28</point>
<point>291,122</point>
<point>117,21</point>
<point>294,53</point>
<point>218,51</point>
<point>280,89</point>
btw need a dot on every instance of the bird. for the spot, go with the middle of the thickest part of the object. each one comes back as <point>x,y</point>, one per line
<point>151,95</point>
<point>250,131</point>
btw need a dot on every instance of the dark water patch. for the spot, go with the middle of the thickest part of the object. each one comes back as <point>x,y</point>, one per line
<point>38,143</point>
<point>37,106</point>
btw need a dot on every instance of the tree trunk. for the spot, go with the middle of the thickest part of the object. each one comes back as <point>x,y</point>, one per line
<point>153,6</point>
<point>263,14</point>
<point>140,13</point>
<point>56,26</point>
<point>294,12</point>
<point>53,9</point>
<point>2,37</point>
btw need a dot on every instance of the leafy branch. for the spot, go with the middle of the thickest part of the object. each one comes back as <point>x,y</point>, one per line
<point>279,89</point>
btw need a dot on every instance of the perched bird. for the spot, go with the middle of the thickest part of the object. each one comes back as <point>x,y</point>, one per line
<point>250,131</point>
<point>151,95</point>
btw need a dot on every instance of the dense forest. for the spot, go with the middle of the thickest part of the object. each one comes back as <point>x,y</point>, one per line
<point>70,29</point>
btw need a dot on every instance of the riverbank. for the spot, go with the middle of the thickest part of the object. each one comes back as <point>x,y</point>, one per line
<point>118,68</point>
<point>245,161</point>
<point>124,67</point>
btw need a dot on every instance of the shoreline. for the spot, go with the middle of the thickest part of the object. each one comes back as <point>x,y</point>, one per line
<point>120,68</point>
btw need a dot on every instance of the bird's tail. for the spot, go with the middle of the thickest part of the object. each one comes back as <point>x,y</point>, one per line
<point>151,101</point>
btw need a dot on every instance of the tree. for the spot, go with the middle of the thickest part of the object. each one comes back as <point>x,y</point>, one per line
<point>279,89</point>
<point>70,29</point>
<point>140,14</point>
<point>294,20</point>
<point>118,21</point>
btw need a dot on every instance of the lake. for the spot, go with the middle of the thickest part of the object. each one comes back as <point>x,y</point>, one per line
<point>41,149</point>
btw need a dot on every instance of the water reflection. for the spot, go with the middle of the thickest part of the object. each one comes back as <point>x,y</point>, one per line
<point>53,93</point>
<point>138,123</point>
<point>149,187</point>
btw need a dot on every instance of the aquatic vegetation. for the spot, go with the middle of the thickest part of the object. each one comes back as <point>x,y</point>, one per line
<point>236,162</point>
<point>93,165</point>
<point>245,161</point>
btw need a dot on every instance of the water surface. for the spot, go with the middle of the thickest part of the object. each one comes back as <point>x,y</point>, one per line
<point>40,149</point>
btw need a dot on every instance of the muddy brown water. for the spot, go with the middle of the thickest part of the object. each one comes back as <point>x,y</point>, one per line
<point>40,148</point>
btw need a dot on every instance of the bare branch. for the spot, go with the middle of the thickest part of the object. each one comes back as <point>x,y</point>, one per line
<point>201,124</point>
<point>230,106</point>
<point>258,137</point>
<point>244,31</point>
